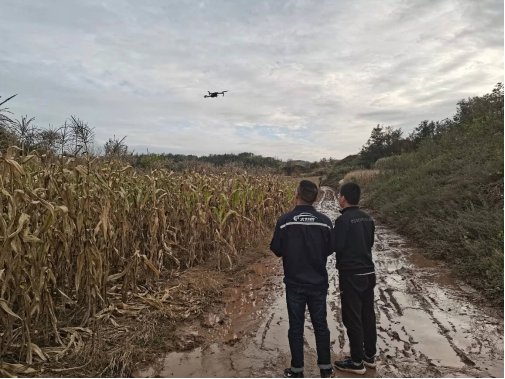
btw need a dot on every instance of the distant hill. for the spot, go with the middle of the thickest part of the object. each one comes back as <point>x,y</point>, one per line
<point>181,161</point>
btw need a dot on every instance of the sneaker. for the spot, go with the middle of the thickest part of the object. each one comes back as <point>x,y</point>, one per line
<point>290,374</point>
<point>350,366</point>
<point>326,372</point>
<point>369,362</point>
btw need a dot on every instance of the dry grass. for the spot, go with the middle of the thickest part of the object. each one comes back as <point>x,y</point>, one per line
<point>362,177</point>
<point>83,242</point>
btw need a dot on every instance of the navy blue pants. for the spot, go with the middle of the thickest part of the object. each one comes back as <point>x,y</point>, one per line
<point>358,313</point>
<point>298,299</point>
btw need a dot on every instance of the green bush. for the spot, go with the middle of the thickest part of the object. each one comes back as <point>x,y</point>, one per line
<point>448,194</point>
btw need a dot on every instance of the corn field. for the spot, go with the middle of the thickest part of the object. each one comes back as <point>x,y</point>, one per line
<point>75,232</point>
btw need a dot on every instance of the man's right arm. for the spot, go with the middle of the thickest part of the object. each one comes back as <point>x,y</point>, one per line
<point>276,243</point>
<point>329,239</point>
<point>373,234</point>
<point>339,234</point>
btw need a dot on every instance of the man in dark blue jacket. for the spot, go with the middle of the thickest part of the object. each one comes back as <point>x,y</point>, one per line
<point>302,238</point>
<point>353,238</point>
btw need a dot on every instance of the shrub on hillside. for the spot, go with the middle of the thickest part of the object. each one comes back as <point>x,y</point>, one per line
<point>448,194</point>
<point>362,177</point>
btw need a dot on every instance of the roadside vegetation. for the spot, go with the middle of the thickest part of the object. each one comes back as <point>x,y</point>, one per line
<point>442,186</point>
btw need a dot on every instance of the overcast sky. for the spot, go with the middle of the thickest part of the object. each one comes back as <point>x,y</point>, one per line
<point>306,79</point>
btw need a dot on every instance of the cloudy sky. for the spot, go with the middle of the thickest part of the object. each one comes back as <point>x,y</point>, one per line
<point>306,79</point>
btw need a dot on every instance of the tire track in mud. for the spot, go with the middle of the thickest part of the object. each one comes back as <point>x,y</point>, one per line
<point>426,325</point>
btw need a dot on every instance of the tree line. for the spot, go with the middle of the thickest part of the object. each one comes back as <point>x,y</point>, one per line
<point>386,141</point>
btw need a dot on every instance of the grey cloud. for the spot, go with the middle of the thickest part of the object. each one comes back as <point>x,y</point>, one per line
<point>485,22</point>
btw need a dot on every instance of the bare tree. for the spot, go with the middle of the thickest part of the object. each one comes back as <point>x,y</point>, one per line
<point>82,136</point>
<point>64,138</point>
<point>25,132</point>
<point>116,148</point>
<point>48,139</point>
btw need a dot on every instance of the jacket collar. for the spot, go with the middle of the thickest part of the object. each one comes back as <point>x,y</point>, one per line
<point>304,206</point>
<point>349,207</point>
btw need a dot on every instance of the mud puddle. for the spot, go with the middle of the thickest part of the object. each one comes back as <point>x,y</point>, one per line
<point>427,327</point>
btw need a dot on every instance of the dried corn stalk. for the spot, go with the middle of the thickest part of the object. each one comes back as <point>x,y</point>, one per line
<point>73,232</point>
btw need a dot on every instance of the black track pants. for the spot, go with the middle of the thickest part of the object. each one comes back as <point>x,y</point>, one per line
<point>358,314</point>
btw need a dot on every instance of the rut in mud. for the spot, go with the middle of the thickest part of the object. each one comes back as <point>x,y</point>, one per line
<point>427,327</point>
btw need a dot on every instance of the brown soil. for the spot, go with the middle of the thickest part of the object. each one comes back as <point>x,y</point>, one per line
<point>174,314</point>
<point>429,324</point>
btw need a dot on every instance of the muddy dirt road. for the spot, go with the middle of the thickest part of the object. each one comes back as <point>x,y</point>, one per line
<point>427,326</point>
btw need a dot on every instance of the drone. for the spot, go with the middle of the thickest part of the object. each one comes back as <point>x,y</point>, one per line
<point>214,94</point>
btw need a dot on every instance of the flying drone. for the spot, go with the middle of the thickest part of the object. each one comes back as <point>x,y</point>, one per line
<point>214,94</point>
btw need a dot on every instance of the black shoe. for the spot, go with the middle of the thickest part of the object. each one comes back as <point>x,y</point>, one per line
<point>326,372</point>
<point>350,366</point>
<point>290,374</point>
<point>369,362</point>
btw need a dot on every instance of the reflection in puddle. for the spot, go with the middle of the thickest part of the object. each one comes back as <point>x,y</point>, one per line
<point>418,327</point>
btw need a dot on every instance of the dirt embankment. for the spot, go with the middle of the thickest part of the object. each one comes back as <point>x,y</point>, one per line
<point>429,325</point>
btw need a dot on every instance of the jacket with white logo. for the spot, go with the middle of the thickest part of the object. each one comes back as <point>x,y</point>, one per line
<point>302,238</point>
<point>353,238</point>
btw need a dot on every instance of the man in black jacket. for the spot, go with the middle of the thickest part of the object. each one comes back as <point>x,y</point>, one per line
<point>302,238</point>
<point>353,238</point>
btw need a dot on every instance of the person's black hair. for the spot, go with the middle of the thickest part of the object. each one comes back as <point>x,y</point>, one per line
<point>351,192</point>
<point>307,191</point>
